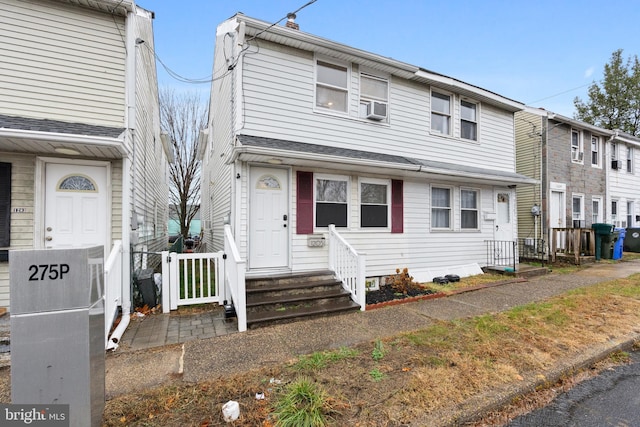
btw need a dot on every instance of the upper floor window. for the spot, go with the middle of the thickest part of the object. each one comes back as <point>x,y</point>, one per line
<point>614,156</point>
<point>468,120</point>
<point>576,147</point>
<point>441,113</point>
<point>374,97</point>
<point>630,159</point>
<point>331,201</point>
<point>332,91</point>
<point>595,151</point>
<point>469,209</point>
<point>374,205</point>
<point>441,208</point>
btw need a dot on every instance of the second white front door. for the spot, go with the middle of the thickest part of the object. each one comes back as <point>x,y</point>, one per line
<point>268,218</point>
<point>75,205</point>
<point>504,222</point>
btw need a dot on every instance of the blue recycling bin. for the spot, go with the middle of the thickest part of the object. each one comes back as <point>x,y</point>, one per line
<point>619,243</point>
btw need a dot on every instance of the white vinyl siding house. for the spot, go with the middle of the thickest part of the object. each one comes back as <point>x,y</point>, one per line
<point>62,62</point>
<point>303,107</point>
<point>80,97</point>
<point>623,180</point>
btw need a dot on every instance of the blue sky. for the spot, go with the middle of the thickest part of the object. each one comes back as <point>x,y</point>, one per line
<point>543,53</point>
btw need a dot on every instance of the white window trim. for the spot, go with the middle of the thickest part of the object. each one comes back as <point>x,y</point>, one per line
<point>478,208</point>
<point>477,122</point>
<point>338,63</point>
<point>378,181</point>
<point>575,155</point>
<point>631,215</point>
<point>452,100</point>
<point>600,212</point>
<point>331,177</point>
<point>629,163</point>
<point>573,214</point>
<point>451,208</point>
<point>614,217</point>
<point>374,76</point>
<point>598,164</point>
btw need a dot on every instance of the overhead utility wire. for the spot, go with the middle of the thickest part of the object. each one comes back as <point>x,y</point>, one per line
<point>558,94</point>
<point>212,78</point>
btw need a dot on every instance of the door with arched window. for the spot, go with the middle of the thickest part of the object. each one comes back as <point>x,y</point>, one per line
<point>269,218</point>
<point>75,206</point>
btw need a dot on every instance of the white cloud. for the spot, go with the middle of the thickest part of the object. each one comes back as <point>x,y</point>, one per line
<point>589,72</point>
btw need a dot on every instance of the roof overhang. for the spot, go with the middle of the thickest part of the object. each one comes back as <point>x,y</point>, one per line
<point>281,152</point>
<point>38,142</point>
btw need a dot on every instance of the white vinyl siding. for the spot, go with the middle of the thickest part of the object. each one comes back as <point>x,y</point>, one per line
<point>62,62</point>
<point>279,102</point>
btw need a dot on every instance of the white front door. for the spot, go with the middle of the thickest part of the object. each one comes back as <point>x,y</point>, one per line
<point>75,206</point>
<point>504,217</point>
<point>268,218</point>
<point>557,212</point>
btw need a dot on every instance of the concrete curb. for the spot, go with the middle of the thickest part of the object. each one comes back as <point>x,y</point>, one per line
<point>475,408</point>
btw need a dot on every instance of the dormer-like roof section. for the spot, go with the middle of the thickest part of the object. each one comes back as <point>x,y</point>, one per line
<point>299,39</point>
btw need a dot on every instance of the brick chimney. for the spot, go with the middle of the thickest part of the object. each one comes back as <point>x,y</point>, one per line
<point>291,18</point>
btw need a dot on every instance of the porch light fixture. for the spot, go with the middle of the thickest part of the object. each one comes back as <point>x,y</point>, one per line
<point>274,161</point>
<point>66,150</point>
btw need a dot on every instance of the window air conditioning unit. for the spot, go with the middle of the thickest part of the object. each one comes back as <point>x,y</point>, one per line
<point>376,110</point>
<point>616,164</point>
<point>577,156</point>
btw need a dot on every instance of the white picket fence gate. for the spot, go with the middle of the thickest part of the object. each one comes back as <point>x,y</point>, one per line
<point>193,278</point>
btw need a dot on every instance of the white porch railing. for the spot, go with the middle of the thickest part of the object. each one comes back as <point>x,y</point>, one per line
<point>234,278</point>
<point>348,265</point>
<point>113,286</point>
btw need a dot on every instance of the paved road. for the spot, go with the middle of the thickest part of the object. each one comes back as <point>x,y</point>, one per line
<point>611,399</point>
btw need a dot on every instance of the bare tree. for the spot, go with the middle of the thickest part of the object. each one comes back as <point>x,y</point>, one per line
<point>182,115</point>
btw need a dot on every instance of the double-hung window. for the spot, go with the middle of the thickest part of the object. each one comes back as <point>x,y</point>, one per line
<point>596,210</point>
<point>374,97</point>
<point>441,208</point>
<point>441,113</point>
<point>630,211</point>
<point>332,195</point>
<point>578,210</point>
<point>374,203</point>
<point>576,147</point>
<point>332,92</point>
<point>468,120</point>
<point>595,151</point>
<point>614,156</point>
<point>629,159</point>
<point>469,209</point>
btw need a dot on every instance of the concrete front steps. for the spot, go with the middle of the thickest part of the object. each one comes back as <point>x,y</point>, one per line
<point>291,297</point>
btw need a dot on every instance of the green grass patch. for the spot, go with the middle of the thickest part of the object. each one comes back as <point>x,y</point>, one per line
<point>304,403</point>
<point>320,359</point>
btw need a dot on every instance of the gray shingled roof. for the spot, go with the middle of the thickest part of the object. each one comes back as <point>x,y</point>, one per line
<point>57,126</point>
<point>280,144</point>
<point>437,167</point>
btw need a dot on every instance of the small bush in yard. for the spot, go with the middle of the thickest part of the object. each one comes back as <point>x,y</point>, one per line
<point>402,282</point>
<point>304,403</point>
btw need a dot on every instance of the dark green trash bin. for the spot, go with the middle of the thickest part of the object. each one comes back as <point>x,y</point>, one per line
<point>604,243</point>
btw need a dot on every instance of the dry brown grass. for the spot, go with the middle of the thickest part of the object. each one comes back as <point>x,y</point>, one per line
<point>423,372</point>
<point>467,282</point>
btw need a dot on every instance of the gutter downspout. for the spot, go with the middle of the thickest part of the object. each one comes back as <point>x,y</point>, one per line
<point>606,213</point>
<point>128,181</point>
